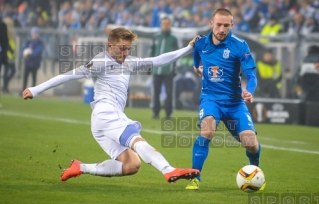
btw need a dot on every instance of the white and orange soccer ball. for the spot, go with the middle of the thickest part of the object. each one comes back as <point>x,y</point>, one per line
<point>250,179</point>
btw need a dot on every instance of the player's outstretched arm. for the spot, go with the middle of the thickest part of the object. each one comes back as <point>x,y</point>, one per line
<point>169,57</point>
<point>31,92</point>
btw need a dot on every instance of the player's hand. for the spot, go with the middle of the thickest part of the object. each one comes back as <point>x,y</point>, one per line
<point>192,42</point>
<point>199,70</point>
<point>26,94</point>
<point>248,97</point>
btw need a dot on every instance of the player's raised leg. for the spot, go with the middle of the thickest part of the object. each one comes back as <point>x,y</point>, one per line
<point>153,157</point>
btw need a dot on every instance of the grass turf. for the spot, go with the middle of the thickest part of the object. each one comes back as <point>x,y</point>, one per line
<point>38,138</point>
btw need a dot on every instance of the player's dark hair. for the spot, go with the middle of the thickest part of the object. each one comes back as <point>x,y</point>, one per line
<point>121,33</point>
<point>223,12</point>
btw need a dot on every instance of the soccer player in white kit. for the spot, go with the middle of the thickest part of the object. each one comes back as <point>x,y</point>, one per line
<point>118,135</point>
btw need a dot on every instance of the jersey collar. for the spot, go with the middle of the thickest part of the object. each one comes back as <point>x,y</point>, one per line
<point>209,37</point>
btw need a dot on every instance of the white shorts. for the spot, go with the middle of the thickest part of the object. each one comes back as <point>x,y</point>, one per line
<point>107,125</point>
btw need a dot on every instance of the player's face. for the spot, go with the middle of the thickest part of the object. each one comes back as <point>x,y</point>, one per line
<point>120,50</point>
<point>221,25</point>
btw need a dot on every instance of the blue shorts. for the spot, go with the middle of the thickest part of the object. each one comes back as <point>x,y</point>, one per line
<point>235,115</point>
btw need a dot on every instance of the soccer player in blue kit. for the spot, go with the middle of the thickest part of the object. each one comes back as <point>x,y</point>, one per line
<point>219,58</point>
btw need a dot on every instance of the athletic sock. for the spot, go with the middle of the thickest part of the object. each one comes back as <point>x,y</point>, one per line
<point>254,157</point>
<point>200,152</point>
<point>107,168</point>
<point>151,156</point>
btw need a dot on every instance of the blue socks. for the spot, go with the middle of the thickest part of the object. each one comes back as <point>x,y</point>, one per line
<point>254,157</point>
<point>201,149</point>
<point>200,152</point>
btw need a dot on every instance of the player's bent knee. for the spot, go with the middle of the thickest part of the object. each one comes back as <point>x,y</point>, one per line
<point>131,167</point>
<point>131,162</point>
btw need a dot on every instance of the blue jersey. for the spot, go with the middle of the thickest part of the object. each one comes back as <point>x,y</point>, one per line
<point>222,66</point>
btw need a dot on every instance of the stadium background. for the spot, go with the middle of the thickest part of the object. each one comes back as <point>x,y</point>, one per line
<point>86,23</point>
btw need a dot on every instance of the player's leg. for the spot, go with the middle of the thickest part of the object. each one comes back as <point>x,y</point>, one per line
<point>248,139</point>
<point>241,126</point>
<point>131,162</point>
<point>208,113</point>
<point>123,161</point>
<point>253,148</point>
<point>107,127</point>
<point>209,119</point>
<point>131,138</point>
<point>201,144</point>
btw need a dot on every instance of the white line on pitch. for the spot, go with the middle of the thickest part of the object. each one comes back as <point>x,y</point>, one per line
<point>10,113</point>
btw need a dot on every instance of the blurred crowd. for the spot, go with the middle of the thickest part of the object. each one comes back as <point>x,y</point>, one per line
<point>249,15</point>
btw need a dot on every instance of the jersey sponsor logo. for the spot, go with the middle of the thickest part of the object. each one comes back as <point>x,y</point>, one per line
<point>215,73</point>
<point>247,55</point>
<point>204,51</point>
<point>226,53</point>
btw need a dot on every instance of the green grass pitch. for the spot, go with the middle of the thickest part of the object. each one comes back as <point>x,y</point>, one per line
<point>39,137</point>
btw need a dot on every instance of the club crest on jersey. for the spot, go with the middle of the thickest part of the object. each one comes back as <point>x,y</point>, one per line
<point>215,73</point>
<point>226,53</point>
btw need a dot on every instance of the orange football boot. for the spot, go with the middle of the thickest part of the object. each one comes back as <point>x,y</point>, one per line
<point>72,171</point>
<point>177,174</point>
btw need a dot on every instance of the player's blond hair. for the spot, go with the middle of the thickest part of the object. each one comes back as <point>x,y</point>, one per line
<point>223,12</point>
<point>121,33</point>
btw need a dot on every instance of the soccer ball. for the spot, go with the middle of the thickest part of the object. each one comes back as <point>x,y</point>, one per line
<point>250,178</point>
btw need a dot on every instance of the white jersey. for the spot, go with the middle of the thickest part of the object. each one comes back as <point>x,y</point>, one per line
<point>110,78</point>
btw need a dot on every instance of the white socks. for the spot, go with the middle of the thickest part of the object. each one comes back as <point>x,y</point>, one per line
<point>107,168</point>
<point>110,167</point>
<point>152,156</point>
